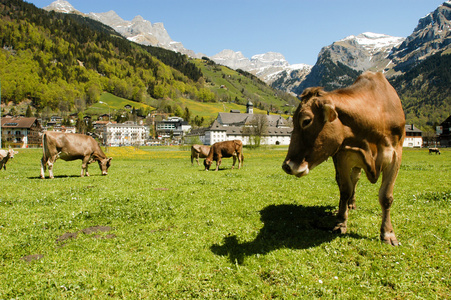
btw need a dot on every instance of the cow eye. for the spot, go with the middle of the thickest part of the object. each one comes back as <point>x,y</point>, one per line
<point>306,122</point>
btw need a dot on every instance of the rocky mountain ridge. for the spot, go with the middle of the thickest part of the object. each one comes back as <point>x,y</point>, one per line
<point>265,66</point>
<point>137,30</point>
<point>432,35</point>
<point>338,64</point>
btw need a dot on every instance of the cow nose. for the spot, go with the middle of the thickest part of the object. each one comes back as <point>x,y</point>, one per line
<point>286,167</point>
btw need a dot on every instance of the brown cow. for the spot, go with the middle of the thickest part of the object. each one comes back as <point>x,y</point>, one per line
<point>199,151</point>
<point>72,146</point>
<point>5,156</point>
<point>225,149</point>
<point>361,127</point>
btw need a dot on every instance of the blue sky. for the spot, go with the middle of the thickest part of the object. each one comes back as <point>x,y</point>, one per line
<point>296,28</point>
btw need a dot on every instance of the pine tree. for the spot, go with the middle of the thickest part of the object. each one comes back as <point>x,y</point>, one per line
<point>28,113</point>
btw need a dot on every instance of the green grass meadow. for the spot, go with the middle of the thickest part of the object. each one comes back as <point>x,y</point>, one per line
<point>156,227</point>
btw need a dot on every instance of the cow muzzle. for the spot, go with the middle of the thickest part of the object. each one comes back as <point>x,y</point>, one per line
<point>295,169</point>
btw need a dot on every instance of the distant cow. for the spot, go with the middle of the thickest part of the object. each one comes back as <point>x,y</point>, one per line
<point>72,146</point>
<point>434,150</point>
<point>5,156</point>
<point>225,149</point>
<point>199,151</point>
<point>361,127</point>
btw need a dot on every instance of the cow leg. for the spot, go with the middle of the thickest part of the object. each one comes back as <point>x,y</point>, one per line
<point>43,167</point>
<point>355,176</point>
<point>84,166</point>
<point>386,199</point>
<point>50,163</point>
<point>234,161</point>
<point>218,163</point>
<point>240,161</point>
<point>347,189</point>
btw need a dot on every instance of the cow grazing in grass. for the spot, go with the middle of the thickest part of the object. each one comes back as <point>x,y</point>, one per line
<point>199,151</point>
<point>361,127</point>
<point>225,149</point>
<point>72,146</point>
<point>434,150</point>
<point>5,155</point>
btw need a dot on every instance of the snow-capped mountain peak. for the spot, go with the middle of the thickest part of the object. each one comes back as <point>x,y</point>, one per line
<point>138,30</point>
<point>61,6</point>
<point>375,41</point>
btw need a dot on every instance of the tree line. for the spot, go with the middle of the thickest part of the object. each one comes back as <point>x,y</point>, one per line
<point>54,58</point>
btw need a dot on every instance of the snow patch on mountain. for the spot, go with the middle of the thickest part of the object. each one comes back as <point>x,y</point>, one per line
<point>61,6</point>
<point>375,41</point>
<point>266,66</point>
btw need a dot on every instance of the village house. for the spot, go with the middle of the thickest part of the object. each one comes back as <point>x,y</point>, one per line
<point>414,137</point>
<point>21,131</point>
<point>172,126</point>
<point>444,133</point>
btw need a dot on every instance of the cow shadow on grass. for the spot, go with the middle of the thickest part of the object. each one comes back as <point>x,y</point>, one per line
<point>285,226</point>
<point>62,176</point>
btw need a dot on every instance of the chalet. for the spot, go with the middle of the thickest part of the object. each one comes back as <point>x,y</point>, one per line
<point>21,131</point>
<point>444,132</point>
<point>414,138</point>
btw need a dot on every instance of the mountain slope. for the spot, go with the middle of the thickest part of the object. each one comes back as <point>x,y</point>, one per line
<point>339,63</point>
<point>432,35</point>
<point>425,90</point>
<point>137,30</point>
<point>64,62</point>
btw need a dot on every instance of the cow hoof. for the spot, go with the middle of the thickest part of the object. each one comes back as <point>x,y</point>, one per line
<point>352,206</point>
<point>339,229</point>
<point>390,239</point>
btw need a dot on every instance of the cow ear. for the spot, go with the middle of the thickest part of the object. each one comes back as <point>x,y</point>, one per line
<point>330,114</point>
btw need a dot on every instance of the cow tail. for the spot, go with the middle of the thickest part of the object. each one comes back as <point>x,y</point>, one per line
<point>44,143</point>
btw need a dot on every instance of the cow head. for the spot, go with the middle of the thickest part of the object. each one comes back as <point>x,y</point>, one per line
<point>316,133</point>
<point>207,164</point>
<point>104,164</point>
<point>11,153</point>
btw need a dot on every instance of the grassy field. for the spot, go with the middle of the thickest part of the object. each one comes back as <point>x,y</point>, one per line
<point>109,104</point>
<point>156,227</point>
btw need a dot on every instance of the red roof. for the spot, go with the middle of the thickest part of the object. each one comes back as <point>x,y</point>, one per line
<point>18,122</point>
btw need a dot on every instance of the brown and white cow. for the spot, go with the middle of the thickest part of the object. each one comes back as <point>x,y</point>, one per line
<point>225,149</point>
<point>72,146</point>
<point>5,156</point>
<point>199,151</point>
<point>361,127</point>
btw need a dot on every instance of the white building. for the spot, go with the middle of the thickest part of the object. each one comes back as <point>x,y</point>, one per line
<point>414,137</point>
<point>125,134</point>
<point>174,126</point>
<point>232,126</point>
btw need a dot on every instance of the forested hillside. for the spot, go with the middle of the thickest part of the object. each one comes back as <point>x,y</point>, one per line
<point>64,62</point>
<point>425,91</point>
